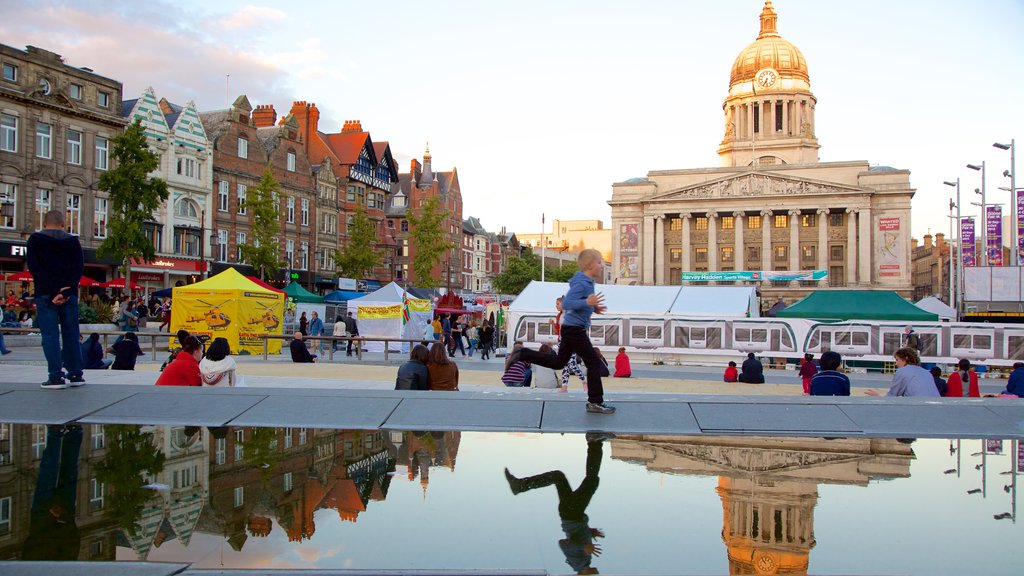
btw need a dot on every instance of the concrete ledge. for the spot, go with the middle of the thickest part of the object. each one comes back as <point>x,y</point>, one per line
<point>503,411</point>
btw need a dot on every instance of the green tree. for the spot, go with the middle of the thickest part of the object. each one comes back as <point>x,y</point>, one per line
<point>518,272</point>
<point>263,253</point>
<point>427,240</point>
<point>562,273</point>
<point>359,258</point>
<point>134,196</point>
<point>131,458</point>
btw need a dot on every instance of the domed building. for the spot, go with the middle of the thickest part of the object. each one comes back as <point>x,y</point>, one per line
<point>772,213</point>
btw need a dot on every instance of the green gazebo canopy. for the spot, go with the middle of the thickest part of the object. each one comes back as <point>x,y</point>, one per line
<point>296,292</point>
<point>856,305</point>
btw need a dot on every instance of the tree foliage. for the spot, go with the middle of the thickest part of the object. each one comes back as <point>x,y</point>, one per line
<point>131,458</point>
<point>263,251</point>
<point>134,196</point>
<point>359,257</point>
<point>518,272</point>
<point>562,273</point>
<point>427,240</point>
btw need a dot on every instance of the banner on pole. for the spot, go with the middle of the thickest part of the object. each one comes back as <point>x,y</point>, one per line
<point>1020,225</point>
<point>994,234</point>
<point>967,242</point>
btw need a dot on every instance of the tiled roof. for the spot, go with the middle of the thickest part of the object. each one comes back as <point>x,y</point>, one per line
<point>346,146</point>
<point>127,106</point>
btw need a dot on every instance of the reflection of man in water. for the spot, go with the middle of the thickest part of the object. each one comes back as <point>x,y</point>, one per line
<point>578,545</point>
<point>52,532</point>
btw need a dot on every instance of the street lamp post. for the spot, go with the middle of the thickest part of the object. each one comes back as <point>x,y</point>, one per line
<point>959,250</point>
<point>984,215</point>
<point>1014,247</point>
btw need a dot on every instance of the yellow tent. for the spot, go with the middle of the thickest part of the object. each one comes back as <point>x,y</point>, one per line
<point>230,306</point>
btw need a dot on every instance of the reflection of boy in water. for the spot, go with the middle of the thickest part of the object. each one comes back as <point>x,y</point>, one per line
<point>52,532</point>
<point>578,545</point>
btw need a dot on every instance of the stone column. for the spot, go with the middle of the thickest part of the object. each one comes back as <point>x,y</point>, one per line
<point>712,242</point>
<point>739,259</point>
<point>685,256</point>
<point>766,240</point>
<point>864,271</point>
<point>851,246</point>
<point>659,248</point>
<point>794,240</point>
<point>823,241</point>
<point>750,120</point>
<point>647,277</point>
<point>785,119</point>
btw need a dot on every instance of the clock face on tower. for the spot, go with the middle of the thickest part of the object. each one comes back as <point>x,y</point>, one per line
<point>766,78</point>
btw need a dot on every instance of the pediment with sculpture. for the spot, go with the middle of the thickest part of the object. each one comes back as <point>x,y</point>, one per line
<point>755,184</point>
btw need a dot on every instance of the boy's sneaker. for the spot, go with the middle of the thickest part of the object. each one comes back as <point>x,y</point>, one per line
<point>602,408</point>
<point>58,384</point>
<point>76,381</point>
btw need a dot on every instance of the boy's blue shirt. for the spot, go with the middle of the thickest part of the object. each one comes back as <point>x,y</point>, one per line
<point>577,311</point>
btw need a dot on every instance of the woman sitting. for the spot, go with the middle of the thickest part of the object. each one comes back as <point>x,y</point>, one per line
<point>413,375</point>
<point>126,352</point>
<point>444,374</point>
<point>957,380</point>
<point>517,374</point>
<point>92,354</point>
<point>218,367</point>
<point>184,370</point>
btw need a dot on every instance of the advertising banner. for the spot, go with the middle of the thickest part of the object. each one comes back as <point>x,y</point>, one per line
<point>967,242</point>
<point>240,317</point>
<point>993,446</point>
<point>890,257</point>
<point>259,314</point>
<point>418,305</point>
<point>378,312</point>
<point>1020,224</point>
<point>753,276</point>
<point>994,234</point>
<point>629,251</point>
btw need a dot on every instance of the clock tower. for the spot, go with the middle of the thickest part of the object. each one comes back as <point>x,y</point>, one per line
<point>769,112</point>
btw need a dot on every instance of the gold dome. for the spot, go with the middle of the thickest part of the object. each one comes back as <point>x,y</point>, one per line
<point>769,51</point>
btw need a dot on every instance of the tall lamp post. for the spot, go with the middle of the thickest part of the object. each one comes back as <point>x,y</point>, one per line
<point>960,252</point>
<point>984,214</point>
<point>1014,219</point>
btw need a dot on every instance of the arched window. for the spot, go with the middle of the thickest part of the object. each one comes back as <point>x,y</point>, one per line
<point>186,209</point>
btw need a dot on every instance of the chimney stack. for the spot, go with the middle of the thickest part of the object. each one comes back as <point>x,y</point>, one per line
<point>928,241</point>
<point>264,115</point>
<point>940,241</point>
<point>352,126</point>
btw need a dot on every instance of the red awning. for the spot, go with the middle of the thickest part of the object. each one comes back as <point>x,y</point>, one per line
<point>23,276</point>
<point>87,282</point>
<point>120,283</point>
<point>264,284</point>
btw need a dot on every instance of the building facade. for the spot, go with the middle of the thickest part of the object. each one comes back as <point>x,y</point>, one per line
<point>56,127</point>
<point>244,142</point>
<point>180,228</point>
<point>772,209</point>
<point>573,236</point>
<point>930,265</point>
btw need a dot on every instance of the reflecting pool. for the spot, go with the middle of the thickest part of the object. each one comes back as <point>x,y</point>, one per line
<point>351,499</point>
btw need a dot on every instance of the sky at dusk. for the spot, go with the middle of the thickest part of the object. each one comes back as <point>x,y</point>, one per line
<point>543,105</point>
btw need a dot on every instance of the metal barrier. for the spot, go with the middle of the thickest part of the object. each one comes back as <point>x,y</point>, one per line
<point>105,334</point>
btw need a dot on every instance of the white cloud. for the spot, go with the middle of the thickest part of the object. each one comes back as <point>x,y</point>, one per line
<point>253,17</point>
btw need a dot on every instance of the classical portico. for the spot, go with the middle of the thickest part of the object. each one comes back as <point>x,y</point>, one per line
<point>771,207</point>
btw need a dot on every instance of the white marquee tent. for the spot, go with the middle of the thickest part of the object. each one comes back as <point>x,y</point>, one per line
<point>379,315</point>
<point>936,306</point>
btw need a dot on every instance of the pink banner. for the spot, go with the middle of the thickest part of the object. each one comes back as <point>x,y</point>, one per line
<point>967,241</point>
<point>1020,224</point>
<point>994,234</point>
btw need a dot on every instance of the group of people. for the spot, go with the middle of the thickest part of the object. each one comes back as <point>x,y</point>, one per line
<point>456,333</point>
<point>344,328</point>
<point>133,314</point>
<point>520,373</point>
<point>428,369</point>
<point>191,365</point>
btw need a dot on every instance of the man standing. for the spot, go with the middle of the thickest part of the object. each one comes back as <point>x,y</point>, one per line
<point>55,260</point>
<point>353,331</point>
<point>316,328</point>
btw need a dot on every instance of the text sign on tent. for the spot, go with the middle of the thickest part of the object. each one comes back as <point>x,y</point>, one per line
<point>752,276</point>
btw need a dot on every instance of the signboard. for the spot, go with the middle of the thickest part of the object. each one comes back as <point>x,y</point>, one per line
<point>967,242</point>
<point>376,312</point>
<point>629,251</point>
<point>993,446</point>
<point>890,257</point>
<point>994,234</point>
<point>753,276</point>
<point>347,284</point>
<point>13,249</point>
<point>1020,226</point>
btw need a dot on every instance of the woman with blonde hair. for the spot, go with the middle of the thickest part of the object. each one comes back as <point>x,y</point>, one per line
<point>444,374</point>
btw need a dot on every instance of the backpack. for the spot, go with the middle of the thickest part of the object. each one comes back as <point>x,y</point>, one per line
<point>914,341</point>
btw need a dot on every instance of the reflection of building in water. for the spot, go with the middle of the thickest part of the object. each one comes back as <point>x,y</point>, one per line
<point>21,449</point>
<point>769,486</point>
<point>262,475</point>
<point>172,512</point>
<point>419,451</point>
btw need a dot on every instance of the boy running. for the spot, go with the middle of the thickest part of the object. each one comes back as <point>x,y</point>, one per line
<point>579,303</point>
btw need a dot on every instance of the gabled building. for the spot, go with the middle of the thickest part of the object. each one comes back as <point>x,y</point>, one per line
<point>476,256</point>
<point>365,171</point>
<point>414,187</point>
<point>180,228</point>
<point>245,141</point>
<point>56,126</point>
